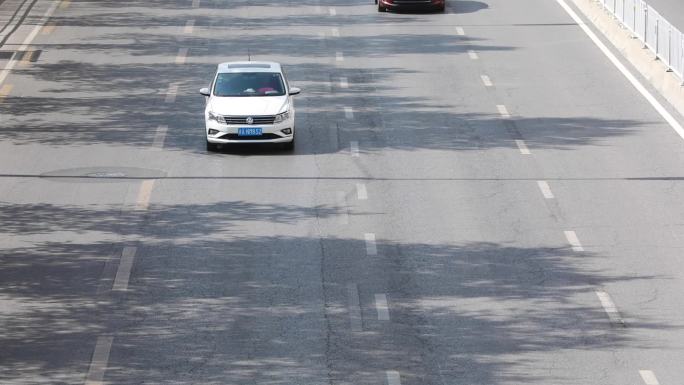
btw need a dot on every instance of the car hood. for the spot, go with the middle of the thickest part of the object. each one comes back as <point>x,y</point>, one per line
<point>248,105</point>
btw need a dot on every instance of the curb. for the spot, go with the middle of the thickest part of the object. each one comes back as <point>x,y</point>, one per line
<point>666,83</point>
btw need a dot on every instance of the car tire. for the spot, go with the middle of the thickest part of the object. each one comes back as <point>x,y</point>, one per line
<point>211,147</point>
<point>381,8</point>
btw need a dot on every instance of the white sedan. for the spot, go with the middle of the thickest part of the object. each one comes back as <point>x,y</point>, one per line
<point>249,102</point>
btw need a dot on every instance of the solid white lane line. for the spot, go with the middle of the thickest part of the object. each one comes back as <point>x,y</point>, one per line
<point>195,3</point>
<point>503,111</point>
<point>355,319</point>
<point>339,56</point>
<point>160,136</point>
<point>361,192</point>
<point>460,31</point>
<point>344,83</point>
<point>144,194</point>
<point>27,42</point>
<point>632,79</point>
<point>123,273</point>
<point>182,54</point>
<point>349,113</point>
<point>382,307</point>
<point>472,54</point>
<point>649,377</point>
<point>100,360</point>
<point>522,147</point>
<point>336,32</point>
<point>189,27</point>
<point>610,308</point>
<point>371,246</point>
<point>171,93</point>
<point>354,147</point>
<point>332,11</point>
<point>393,378</point>
<point>341,200</point>
<point>574,242</point>
<point>545,189</point>
<point>487,81</point>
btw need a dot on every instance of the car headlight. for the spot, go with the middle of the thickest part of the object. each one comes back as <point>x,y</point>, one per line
<point>282,117</point>
<point>215,117</point>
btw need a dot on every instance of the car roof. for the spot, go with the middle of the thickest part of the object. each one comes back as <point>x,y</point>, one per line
<point>248,66</point>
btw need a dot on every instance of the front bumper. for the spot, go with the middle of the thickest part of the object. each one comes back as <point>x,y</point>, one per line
<point>271,133</point>
<point>412,4</point>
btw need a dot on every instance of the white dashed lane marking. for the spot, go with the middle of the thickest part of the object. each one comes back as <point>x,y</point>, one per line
<point>610,308</point>
<point>332,11</point>
<point>361,192</point>
<point>339,56</point>
<point>354,148</point>
<point>522,147</point>
<point>393,378</point>
<point>545,189</point>
<point>503,111</point>
<point>189,27</point>
<point>460,31</point>
<point>160,136</point>
<point>144,195</point>
<point>171,93</point>
<point>123,273</point>
<point>349,113</point>
<point>100,360</point>
<point>649,377</point>
<point>344,83</point>
<point>487,81</point>
<point>472,54</point>
<point>371,246</point>
<point>182,55</point>
<point>336,32</point>
<point>382,307</point>
<point>574,241</point>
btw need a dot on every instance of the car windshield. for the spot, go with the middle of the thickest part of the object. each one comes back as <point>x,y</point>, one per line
<point>249,84</point>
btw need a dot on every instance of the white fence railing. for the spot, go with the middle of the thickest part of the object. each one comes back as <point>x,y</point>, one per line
<point>658,34</point>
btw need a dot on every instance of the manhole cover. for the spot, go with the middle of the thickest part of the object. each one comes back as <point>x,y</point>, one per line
<point>103,174</point>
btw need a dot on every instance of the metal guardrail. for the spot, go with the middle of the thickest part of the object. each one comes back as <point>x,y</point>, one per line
<point>657,34</point>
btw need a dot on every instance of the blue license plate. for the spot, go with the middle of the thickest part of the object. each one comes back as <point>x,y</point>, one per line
<point>249,131</point>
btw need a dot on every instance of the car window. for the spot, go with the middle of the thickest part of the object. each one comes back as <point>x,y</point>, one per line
<point>249,84</point>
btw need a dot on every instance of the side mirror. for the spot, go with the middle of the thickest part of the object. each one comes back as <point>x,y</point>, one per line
<point>295,91</point>
<point>205,91</point>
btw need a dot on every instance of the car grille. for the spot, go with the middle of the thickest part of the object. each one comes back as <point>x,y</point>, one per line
<point>243,119</point>
<point>259,137</point>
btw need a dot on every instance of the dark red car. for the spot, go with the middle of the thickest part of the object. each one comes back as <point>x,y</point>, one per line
<point>384,5</point>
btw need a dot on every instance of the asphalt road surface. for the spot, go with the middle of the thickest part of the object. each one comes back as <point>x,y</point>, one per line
<point>476,198</point>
